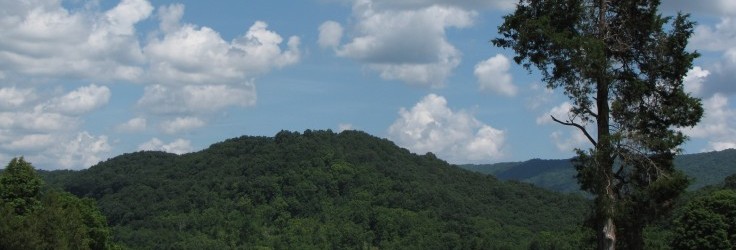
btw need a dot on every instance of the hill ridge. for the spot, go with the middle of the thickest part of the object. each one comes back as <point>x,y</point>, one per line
<point>707,168</point>
<point>316,189</point>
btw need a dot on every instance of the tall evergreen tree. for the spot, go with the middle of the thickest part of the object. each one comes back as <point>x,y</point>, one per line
<point>623,70</point>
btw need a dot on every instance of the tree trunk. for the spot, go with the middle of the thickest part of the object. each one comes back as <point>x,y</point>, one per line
<point>604,158</point>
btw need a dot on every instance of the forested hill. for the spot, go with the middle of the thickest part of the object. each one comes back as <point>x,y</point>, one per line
<point>558,175</point>
<point>322,190</point>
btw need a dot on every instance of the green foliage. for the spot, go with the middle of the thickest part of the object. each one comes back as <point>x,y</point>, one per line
<point>623,71</point>
<point>53,220</point>
<point>20,186</point>
<point>730,182</point>
<point>708,222</point>
<point>315,190</point>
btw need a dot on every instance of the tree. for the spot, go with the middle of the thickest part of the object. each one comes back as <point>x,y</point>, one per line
<point>31,219</point>
<point>730,182</point>
<point>20,186</point>
<point>623,71</point>
<point>708,222</point>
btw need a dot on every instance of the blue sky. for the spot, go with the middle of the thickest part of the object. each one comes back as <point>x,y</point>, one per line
<point>83,81</point>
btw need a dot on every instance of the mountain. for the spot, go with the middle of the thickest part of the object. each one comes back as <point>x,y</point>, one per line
<point>318,190</point>
<point>559,175</point>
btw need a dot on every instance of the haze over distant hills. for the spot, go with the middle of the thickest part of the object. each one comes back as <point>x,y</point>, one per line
<point>559,175</point>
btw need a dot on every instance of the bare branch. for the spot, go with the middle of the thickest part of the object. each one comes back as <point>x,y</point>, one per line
<point>590,138</point>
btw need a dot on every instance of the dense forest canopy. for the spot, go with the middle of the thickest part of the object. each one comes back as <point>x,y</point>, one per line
<point>318,189</point>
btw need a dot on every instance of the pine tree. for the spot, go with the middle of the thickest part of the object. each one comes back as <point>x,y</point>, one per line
<point>623,71</point>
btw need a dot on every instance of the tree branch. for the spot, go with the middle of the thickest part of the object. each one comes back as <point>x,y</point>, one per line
<point>590,138</point>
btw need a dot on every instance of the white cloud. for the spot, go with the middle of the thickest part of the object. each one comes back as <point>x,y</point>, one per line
<point>710,7</point>
<point>80,101</point>
<point>46,132</point>
<point>68,151</point>
<point>197,71</point>
<point>170,17</point>
<point>567,142</point>
<point>493,75</point>
<point>164,99</point>
<point>82,151</point>
<point>330,34</point>
<point>181,124</point>
<point>694,80</point>
<point>198,55</point>
<point>715,38</point>
<point>720,38</point>
<point>721,78</point>
<point>43,39</point>
<point>136,124</point>
<point>572,137</point>
<point>344,126</point>
<point>36,121</point>
<point>11,98</point>
<point>466,4</point>
<point>430,126</point>
<point>29,142</point>
<point>406,44</point>
<point>717,125</point>
<point>178,146</point>
<point>561,112</point>
<point>542,96</point>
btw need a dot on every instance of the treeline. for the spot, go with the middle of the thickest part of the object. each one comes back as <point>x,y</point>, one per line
<point>319,190</point>
<point>316,190</point>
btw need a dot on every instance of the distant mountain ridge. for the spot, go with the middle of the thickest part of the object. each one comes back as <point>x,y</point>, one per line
<point>559,175</point>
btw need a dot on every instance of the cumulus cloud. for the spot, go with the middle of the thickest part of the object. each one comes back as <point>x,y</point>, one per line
<point>196,99</point>
<point>694,80</point>
<point>82,151</point>
<point>136,124</point>
<point>181,124</point>
<point>493,75</point>
<point>344,126</point>
<point>467,4</point>
<point>570,140</point>
<point>80,101</point>
<point>456,136</point>
<point>561,112</point>
<point>711,7</point>
<point>199,55</point>
<point>197,71</point>
<point>46,132</point>
<point>330,34</point>
<point>29,142</point>
<point>718,38</point>
<point>720,79</point>
<point>715,38</point>
<point>572,137</point>
<point>45,39</point>
<point>406,44</point>
<point>60,150</point>
<point>11,98</point>
<point>541,96</point>
<point>185,70</point>
<point>23,122</point>
<point>717,125</point>
<point>178,146</point>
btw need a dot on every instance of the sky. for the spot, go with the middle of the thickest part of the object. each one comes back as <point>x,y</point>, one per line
<point>85,81</point>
